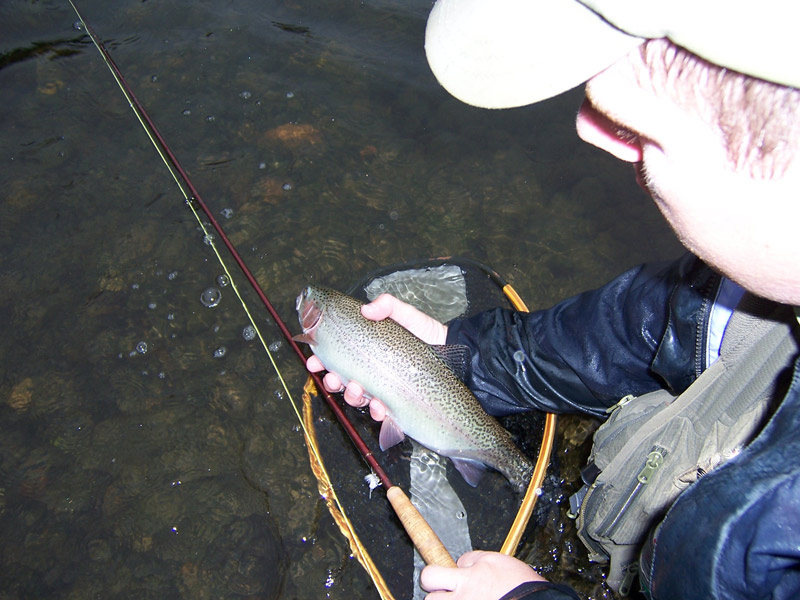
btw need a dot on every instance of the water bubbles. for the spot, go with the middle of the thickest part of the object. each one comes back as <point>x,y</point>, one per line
<point>290,94</point>
<point>154,78</point>
<point>211,297</point>
<point>223,280</point>
<point>554,553</point>
<point>77,26</point>
<point>141,347</point>
<point>287,187</point>
<point>171,316</point>
<point>172,275</point>
<point>151,305</point>
<point>275,346</point>
<point>245,95</point>
<point>249,333</point>
<point>220,352</point>
<point>186,112</point>
<point>226,212</point>
<point>210,119</point>
<point>262,165</point>
<point>330,580</point>
<point>461,515</point>
<point>208,239</point>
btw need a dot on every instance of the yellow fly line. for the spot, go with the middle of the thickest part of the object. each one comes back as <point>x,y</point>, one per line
<point>324,485</point>
<point>305,419</point>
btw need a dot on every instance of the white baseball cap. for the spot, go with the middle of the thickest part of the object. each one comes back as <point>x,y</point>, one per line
<point>507,53</point>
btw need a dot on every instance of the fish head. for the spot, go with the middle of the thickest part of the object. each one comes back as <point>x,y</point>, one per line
<point>309,312</point>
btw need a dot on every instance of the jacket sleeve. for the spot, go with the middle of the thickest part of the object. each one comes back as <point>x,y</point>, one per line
<point>642,331</point>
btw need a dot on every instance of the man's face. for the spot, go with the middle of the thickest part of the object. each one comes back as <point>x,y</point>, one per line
<point>746,228</point>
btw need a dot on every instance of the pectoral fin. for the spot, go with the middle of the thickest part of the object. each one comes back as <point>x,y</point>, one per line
<point>304,338</point>
<point>471,470</point>
<point>390,434</point>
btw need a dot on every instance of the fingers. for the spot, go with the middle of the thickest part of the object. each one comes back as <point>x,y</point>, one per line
<point>439,579</point>
<point>446,579</point>
<point>314,364</point>
<point>332,383</point>
<point>479,575</point>
<point>377,410</point>
<point>470,558</point>
<point>354,395</point>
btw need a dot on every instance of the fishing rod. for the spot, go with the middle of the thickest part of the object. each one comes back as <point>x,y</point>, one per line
<point>422,535</point>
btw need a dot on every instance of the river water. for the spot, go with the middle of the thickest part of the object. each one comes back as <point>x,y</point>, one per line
<point>148,448</point>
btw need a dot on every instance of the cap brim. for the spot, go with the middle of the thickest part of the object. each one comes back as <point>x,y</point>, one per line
<point>508,53</point>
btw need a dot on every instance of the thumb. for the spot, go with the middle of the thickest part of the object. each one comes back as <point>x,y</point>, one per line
<point>380,308</point>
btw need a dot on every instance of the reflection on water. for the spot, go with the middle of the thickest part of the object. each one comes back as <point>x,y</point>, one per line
<point>140,460</point>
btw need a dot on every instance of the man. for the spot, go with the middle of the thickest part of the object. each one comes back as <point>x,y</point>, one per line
<point>702,98</point>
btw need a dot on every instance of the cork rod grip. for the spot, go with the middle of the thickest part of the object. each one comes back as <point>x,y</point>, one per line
<point>424,538</point>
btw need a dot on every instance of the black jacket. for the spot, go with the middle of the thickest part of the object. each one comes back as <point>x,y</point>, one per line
<point>733,534</point>
<point>643,331</point>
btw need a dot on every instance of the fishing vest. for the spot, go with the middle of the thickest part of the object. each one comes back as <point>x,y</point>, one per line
<point>655,446</point>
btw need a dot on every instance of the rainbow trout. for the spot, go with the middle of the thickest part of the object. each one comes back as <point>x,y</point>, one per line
<point>423,397</point>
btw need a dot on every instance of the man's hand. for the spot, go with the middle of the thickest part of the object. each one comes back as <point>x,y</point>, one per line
<point>426,328</point>
<point>479,576</point>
